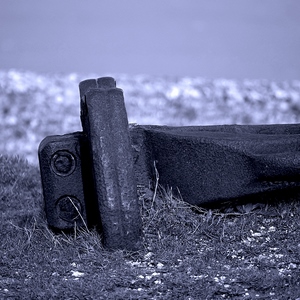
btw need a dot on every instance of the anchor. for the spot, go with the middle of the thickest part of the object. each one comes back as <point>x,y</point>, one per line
<point>90,178</point>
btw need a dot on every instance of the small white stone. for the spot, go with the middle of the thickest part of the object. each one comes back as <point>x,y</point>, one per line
<point>160,265</point>
<point>278,255</point>
<point>77,274</point>
<point>292,266</point>
<point>272,229</point>
<point>148,255</point>
<point>256,234</point>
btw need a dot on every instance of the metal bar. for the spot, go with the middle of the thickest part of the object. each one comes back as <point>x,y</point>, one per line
<point>104,121</point>
<point>210,164</point>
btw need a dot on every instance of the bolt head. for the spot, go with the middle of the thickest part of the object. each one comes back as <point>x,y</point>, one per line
<point>63,163</point>
<point>68,208</point>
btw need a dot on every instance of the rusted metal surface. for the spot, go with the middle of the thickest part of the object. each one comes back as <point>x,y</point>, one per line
<point>210,164</point>
<point>90,178</point>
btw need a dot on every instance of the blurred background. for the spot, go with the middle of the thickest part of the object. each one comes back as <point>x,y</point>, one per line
<point>179,62</point>
<point>230,39</point>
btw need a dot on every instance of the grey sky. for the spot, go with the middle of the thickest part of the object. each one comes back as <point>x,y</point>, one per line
<point>226,38</point>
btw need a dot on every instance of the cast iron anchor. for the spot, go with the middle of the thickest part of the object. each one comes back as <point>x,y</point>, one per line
<point>91,177</point>
<point>94,169</point>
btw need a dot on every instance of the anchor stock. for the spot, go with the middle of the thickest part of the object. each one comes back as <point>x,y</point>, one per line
<point>99,169</point>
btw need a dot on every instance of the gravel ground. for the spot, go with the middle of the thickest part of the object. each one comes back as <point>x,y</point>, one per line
<point>33,106</point>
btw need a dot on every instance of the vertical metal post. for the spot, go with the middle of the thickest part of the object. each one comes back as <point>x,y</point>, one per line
<point>104,121</point>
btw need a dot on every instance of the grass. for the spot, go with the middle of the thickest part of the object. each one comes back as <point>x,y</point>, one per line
<point>33,106</point>
<point>242,250</point>
<point>236,251</point>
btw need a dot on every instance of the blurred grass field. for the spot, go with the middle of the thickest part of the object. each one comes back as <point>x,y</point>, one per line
<point>33,106</point>
<point>235,251</point>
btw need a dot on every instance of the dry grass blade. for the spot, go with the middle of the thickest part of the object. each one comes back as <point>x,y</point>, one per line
<point>79,214</point>
<point>156,183</point>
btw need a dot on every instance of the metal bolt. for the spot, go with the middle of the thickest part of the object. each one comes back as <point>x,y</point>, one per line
<point>63,163</point>
<point>69,208</point>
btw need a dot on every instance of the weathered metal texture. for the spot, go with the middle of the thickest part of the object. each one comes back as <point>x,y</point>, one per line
<point>92,176</point>
<point>209,164</point>
<point>66,183</point>
<point>104,121</point>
